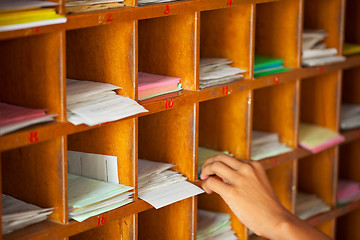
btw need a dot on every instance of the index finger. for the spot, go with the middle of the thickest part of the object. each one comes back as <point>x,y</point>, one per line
<point>232,162</point>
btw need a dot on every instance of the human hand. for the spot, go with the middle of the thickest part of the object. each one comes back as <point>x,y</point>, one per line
<point>247,190</point>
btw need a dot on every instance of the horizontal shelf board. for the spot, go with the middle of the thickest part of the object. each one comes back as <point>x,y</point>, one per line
<point>56,230</point>
<point>284,158</point>
<point>351,135</point>
<point>336,212</point>
<point>32,31</point>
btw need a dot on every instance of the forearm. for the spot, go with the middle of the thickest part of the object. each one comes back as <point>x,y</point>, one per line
<point>293,228</point>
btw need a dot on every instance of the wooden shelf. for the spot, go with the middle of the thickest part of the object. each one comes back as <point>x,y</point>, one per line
<point>113,45</point>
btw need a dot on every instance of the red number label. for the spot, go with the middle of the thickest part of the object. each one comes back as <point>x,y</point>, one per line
<point>101,220</point>
<point>229,3</point>
<point>33,137</point>
<point>109,19</point>
<point>276,79</point>
<point>167,10</point>
<point>37,30</point>
<point>321,69</point>
<point>225,90</point>
<point>275,162</point>
<point>169,104</point>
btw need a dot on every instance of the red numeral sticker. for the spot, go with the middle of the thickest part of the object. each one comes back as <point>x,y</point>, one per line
<point>276,79</point>
<point>229,3</point>
<point>275,162</point>
<point>109,18</point>
<point>33,137</point>
<point>101,220</point>
<point>321,69</point>
<point>169,103</point>
<point>167,10</point>
<point>225,90</point>
<point>37,30</point>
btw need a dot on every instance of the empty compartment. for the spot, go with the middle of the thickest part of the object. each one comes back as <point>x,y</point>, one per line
<point>170,137</point>
<point>167,47</point>
<point>346,226</point>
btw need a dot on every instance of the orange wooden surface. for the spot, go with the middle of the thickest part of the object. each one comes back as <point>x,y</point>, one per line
<point>227,33</point>
<point>37,174</point>
<point>345,226</point>
<point>278,32</point>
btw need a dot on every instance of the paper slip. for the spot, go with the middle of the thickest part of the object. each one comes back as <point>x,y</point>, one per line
<point>225,71</point>
<point>71,3</point>
<point>323,61</point>
<point>77,90</point>
<point>308,205</point>
<point>96,166</point>
<point>317,53</point>
<point>214,225</point>
<point>85,191</point>
<point>17,214</point>
<point>7,5</point>
<point>170,194</point>
<point>349,116</point>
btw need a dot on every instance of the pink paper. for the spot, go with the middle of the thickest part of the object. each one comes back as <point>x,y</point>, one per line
<point>10,114</point>
<point>147,81</point>
<point>324,145</point>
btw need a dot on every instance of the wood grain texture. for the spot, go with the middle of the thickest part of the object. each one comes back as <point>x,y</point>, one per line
<point>167,46</point>
<point>37,174</point>
<point>320,100</point>
<point>170,137</point>
<point>327,15</point>
<point>351,86</point>
<point>345,226</point>
<point>317,175</point>
<point>228,33</point>
<point>225,124</point>
<point>278,32</point>
<point>282,180</point>
<point>276,109</point>
<point>104,54</point>
<point>352,35</point>
<point>31,72</point>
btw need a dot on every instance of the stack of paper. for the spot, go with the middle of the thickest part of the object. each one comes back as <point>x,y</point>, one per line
<point>160,186</point>
<point>94,103</point>
<point>316,138</point>
<point>308,205</point>
<point>314,50</point>
<point>17,214</point>
<point>266,144</point>
<point>20,14</point>
<point>214,71</point>
<point>78,6</point>
<point>214,226</point>
<point>146,2</point>
<point>347,191</point>
<point>265,65</point>
<point>13,117</point>
<point>205,153</point>
<point>351,49</point>
<point>89,197</point>
<point>152,85</point>
<point>350,116</point>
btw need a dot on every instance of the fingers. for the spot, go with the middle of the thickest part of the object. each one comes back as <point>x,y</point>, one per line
<point>228,160</point>
<point>214,185</point>
<point>219,169</point>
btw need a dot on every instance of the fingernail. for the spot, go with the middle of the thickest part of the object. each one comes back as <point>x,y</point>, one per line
<point>204,177</point>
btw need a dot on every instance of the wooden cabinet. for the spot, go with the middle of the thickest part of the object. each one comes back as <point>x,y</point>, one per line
<point>112,46</point>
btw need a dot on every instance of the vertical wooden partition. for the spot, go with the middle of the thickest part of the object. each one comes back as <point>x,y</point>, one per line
<point>228,33</point>
<point>170,136</point>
